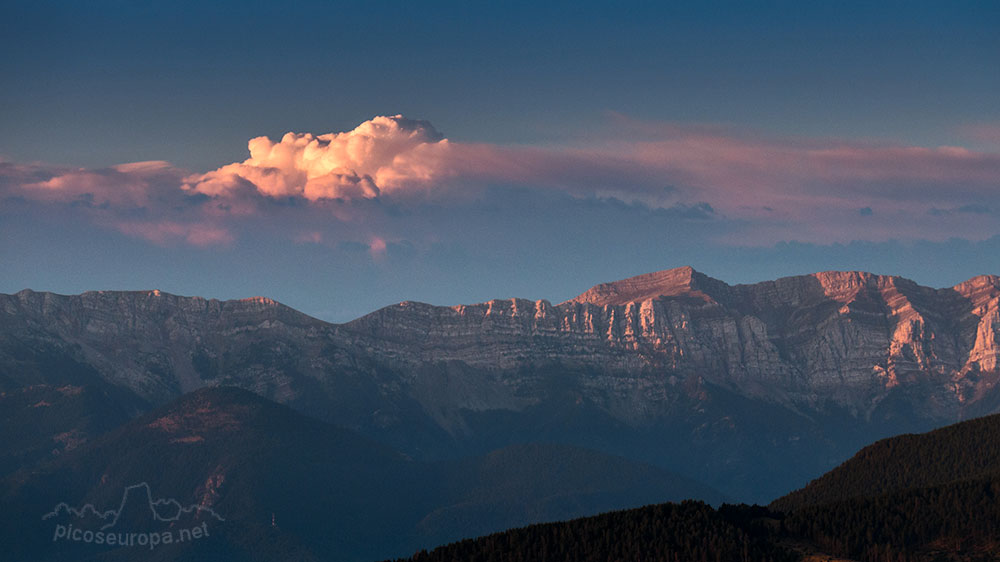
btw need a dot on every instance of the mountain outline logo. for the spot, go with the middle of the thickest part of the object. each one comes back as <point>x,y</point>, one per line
<point>89,509</point>
<point>137,504</point>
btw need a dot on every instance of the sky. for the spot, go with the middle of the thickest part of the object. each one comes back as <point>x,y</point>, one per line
<point>340,157</point>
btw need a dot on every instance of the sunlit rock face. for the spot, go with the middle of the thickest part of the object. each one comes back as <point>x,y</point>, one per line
<point>849,337</point>
<point>761,386</point>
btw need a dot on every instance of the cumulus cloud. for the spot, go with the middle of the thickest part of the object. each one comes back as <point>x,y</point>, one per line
<point>395,156</point>
<point>384,154</point>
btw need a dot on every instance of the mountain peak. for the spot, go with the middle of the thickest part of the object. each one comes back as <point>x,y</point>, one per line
<point>978,282</point>
<point>843,285</point>
<point>679,281</point>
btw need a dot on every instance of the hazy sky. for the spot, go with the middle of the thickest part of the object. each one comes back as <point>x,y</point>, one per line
<point>456,152</point>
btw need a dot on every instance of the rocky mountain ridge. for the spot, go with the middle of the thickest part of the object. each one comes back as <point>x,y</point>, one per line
<point>764,385</point>
<point>847,336</point>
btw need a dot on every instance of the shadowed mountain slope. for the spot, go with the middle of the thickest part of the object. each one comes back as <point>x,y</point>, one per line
<point>289,487</point>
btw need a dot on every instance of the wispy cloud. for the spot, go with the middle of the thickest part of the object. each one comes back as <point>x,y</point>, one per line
<point>137,184</point>
<point>140,199</point>
<point>168,232</point>
<point>985,133</point>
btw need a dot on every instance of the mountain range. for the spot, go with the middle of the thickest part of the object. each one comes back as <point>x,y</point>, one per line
<point>751,389</point>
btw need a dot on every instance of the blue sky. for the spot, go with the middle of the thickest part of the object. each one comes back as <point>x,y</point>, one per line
<point>585,143</point>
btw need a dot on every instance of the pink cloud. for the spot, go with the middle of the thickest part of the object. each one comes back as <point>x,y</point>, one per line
<point>986,133</point>
<point>780,188</point>
<point>133,184</point>
<point>168,232</point>
<point>377,247</point>
<point>731,170</point>
<point>312,237</point>
<point>140,199</point>
<point>384,153</point>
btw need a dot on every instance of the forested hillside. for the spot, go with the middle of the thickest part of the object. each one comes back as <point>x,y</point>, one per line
<point>688,531</point>
<point>912,498</point>
<point>967,450</point>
